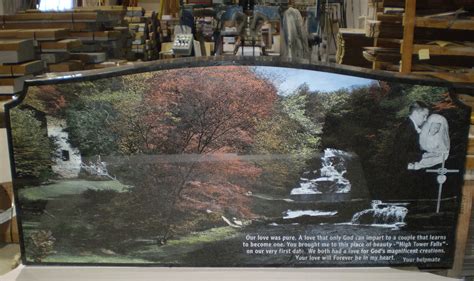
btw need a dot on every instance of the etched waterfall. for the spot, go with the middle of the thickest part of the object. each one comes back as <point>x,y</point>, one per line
<point>382,214</point>
<point>331,182</point>
<point>330,178</point>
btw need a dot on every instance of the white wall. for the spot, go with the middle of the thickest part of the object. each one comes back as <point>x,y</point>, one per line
<point>56,5</point>
<point>9,7</point>
<point>356,9</point>
<point>5,172</point>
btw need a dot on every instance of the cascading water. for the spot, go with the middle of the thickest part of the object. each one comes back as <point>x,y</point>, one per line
<point>329,179</point>
<point>390,214</point>
<point>329,184</point>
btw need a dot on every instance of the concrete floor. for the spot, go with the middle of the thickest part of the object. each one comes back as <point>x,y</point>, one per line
<point>7,256</point>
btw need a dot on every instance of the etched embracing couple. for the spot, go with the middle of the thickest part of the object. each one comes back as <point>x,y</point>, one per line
<point>433,137</point>
<point>421,141</point>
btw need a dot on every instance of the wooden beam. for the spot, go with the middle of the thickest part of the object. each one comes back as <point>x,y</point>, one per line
<point>70,65</point>
<point>77,26</point>
<point>31,67</point>
<point>395,31</point>
<point>463,77</point>
<point>428,66</point>
<point>451,63</point>
<point>462,231</point>
<point>444,51</point>
<point>451,23</point>
<point>11,231</point>
<point>408,34</point>
<point>372,28</point>
<point>390,18</point>
<point>468,100</point>
<point>86,16</point>
<point>65,45</point>
<point>389,43</point>
<point>381,57</point>
<point>380,29</point>
<point>432,4</point>
<point>470,162</point>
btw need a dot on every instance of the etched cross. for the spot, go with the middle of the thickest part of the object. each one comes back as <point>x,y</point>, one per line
<point>441,179</point>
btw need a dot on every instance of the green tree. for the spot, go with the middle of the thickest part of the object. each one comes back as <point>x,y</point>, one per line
<point>103,116</point>
<point>89,124</point>
<point>33,150</point>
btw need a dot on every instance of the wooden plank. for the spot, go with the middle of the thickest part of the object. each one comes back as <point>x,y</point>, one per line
<point>372,28</point>
<point>14,44</point>
<point>97,35</point>
<point>90,48</point>
<point>135,9</point>
<point>72,65</point>
<point>65,45</point>
<point>43,34</point>
<point>106,64</point>
<point>89,57</point>
<point>119,8</point>
<point>444,51</point>
<point>137,27</point>
<point>50,58</point>
<point>382,55</point>
<point>449,63</point>
<point>467,77</point>
<point>11,233</point>
<point>96,15</point>
<point>462,231</point>
<point>393,11</point>
<point>77,26</point>
<point>408,34</point>
<point>389,43</point>
<point>430,4</point>
<point>135,12</point>
<point>32,67</point>
<point>466,99</point>
<point>11,86</point>
<point>395,31</point>
<point>37,17</point>
<point>451,23</point>
<point>9,34</point>
<point>35,34</point>
<point>134,19</point>
<point>470,162</point>
<point>5,204</point>
<point>380,29</point>
<point>381,58</point>
<point>394,19</point>
<point>16,51</point>
<point>350,44</point>
<point>418,66</point>
<point>55,16</point>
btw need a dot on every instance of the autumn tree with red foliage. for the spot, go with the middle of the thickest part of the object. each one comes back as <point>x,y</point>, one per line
<point>203,119</point>
<point>213,109</point>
